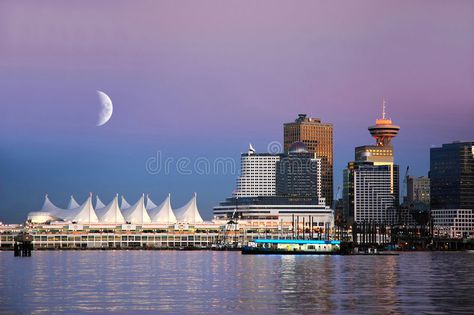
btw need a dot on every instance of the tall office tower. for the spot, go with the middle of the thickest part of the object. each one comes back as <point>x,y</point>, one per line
<point>318,137</point>
<point>298,173</point>
<point>452,176</point>
<point>418,192</point>
<point>371,182</point>
<point>257,174</point>
<point>374,198</point>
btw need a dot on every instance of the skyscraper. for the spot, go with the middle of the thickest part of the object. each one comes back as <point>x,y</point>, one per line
<point>376,193</point>
<point>318,137</point>
<point>452,176</point>
<point>371,182</point>
<point>298,173</point>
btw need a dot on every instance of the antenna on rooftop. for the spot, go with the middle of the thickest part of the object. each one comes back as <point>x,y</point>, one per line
<point>383,107</point>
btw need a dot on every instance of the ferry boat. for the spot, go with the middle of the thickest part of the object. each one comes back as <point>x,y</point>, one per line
<point>292,247</point>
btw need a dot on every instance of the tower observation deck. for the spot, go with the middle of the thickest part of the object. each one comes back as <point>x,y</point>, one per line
<point>384,130</point>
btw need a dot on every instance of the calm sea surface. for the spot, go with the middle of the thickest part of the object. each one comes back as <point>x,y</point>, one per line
<point>209,282</point>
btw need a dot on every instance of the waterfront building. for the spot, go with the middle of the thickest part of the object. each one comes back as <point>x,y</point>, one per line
<point>452,223</point>
<point>418,192</point>
<point>295,197</point>
<point>276,211</point>
<point>257,174</point>
<point>298,173</point>
<point>318,137</point>
<point>111,214</point>
<point>371,182</point>
<point>452,176</point>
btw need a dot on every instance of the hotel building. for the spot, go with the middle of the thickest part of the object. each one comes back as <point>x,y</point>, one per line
<point>257,174</point>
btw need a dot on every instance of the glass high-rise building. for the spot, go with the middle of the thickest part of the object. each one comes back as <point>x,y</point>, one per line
<point>318,137</point>
<point>452,176</point>
<point>298,173</point>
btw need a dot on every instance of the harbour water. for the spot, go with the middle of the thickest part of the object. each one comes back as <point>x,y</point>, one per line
<point>214,282</point>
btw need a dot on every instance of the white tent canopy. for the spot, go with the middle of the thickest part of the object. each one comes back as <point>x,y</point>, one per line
<point>84,214</point>
<point>137,213</point>
<point>124,204</point>
<point>98,203</point>
<point>149,203</point>
<point>111,213</point>
<point>163,213</point>
<point>53,210</point>
<point>72,203</point>
<point>48,206</point>
<point>189,213</point>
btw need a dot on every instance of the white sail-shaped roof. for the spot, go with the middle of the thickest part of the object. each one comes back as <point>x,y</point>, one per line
<point>53,210</point>
<point>137,213</point>
<point>149,203</point>
<point>72,203</point>
<point>189,213</point>
<point>48,206</point>
<point>163,213</point>
<point>124,204</point>
<point>84,214</point>
<point>98,203</point>
<point>111,213</point>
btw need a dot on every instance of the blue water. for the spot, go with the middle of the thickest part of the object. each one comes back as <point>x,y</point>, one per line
<point>209,282</point>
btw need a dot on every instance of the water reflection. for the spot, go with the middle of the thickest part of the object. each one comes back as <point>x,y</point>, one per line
<point>227,282</point>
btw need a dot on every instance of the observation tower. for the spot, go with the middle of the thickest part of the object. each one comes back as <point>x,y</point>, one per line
<point>384,130</point>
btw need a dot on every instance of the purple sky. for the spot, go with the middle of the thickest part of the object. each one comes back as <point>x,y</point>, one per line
<point>204,78</point>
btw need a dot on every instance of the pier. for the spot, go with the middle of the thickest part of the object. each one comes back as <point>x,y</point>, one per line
<point>23,245</point>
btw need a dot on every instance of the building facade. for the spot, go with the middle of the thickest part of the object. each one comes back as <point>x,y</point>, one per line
<point>452,176</point>
<point>418,192</point>
<point>452,223</point>
<point>257,174</point>
<point>318,137</point>
<point>375,193</point>
<point>298,173</point>
<point>276,211</point>
<point>371,182</point>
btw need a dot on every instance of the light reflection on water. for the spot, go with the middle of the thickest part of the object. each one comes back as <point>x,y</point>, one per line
<point>228,282</point>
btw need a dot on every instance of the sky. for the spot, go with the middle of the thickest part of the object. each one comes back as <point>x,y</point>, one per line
<point>194,82</point>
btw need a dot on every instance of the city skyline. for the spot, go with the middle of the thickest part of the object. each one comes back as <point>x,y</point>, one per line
<point>194,89</point>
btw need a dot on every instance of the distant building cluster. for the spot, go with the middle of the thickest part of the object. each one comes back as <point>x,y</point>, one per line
<point>296,187</point>
<point>291,186</point>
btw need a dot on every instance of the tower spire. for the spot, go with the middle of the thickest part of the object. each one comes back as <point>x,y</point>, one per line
<point>383,107</point>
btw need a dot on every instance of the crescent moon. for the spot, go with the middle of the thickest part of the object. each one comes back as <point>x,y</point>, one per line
<point>106,108</point>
